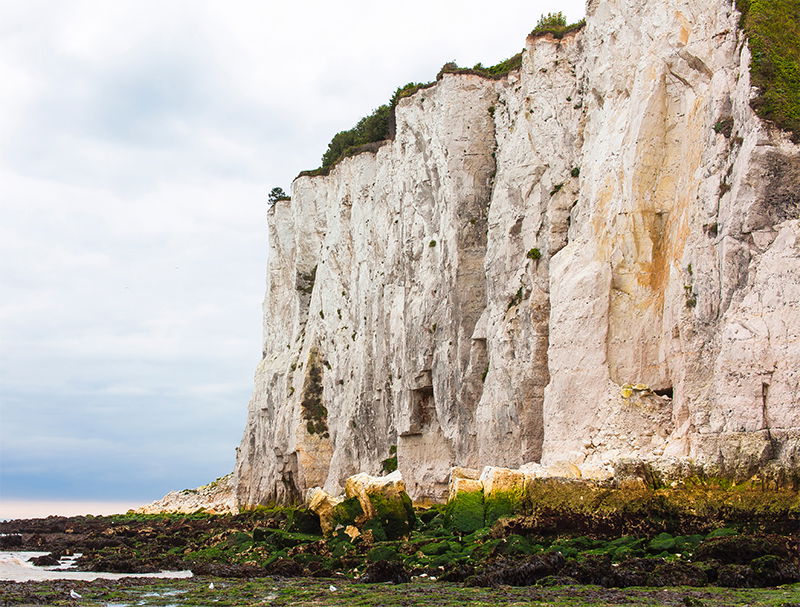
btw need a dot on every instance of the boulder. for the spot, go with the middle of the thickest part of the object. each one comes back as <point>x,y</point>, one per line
<point>463,485</point>
<point>323,504</point>
<point>378,504</point>
<point>503,492</point>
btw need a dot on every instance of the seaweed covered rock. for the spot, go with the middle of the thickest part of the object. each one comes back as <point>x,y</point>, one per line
<point>741,549</point>
<point>463,480</point>
<point>479,499</point>
<point>594,569</point>
<point>518,572</point>
<point>385,571</point>
<point>229,570</point>
<point>762,572</point>
<point>676,573</point>
<point>503,492</point>
<point>465,512</point>
<point>386,507</point>
<point>378,504</point>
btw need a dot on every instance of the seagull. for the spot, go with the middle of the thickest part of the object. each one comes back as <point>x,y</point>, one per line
<point>211,586</point>
<point>333,588</point>
<point>74,595</point>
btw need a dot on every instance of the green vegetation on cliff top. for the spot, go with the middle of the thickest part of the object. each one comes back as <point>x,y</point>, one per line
<point>773,31</point>
<point>772,27</point>
<point>370,131</point>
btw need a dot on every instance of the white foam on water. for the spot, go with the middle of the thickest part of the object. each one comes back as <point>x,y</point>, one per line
<point>16,567</point>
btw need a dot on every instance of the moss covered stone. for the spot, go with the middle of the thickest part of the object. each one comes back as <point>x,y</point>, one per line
<point>517,544</point>
<point>383,552</point>
<point>302,520</point>
<point>346,512</point>
<point>282,539</point>
<point>662,542</point>
<point>394,513</point>
<point>502,503</point>
<point>465,512</point>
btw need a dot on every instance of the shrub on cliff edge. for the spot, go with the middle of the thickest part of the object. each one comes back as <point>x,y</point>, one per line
<point>773,31</point>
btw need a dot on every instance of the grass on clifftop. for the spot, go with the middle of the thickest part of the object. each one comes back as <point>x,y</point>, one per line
<point>367,134</point>
<point>380,124</point>
<point>556,25</point>
<point>773,30</point>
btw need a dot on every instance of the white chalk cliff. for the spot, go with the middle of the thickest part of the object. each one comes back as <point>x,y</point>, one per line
<point>570,264</point>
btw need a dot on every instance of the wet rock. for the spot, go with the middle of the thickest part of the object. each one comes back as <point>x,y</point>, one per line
<point>557,580</point>
<point>10,541</point>
<point>385,571</point>
<point>677,573</point>
<point>229,570</point>
<point>740,549</point>
<point>735,576</point>
<point>521,572</point>
<point>594,569</point>
<point>760,573</point>
<point>47,560</point>
<point>774,571</point>
<point>285,568</point>
<point>632,572</point>
<point>115,565</point>
<point>458,572</point>
<point>318,569</point>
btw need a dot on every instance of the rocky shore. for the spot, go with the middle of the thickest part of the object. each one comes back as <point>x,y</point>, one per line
<point>546,533</point>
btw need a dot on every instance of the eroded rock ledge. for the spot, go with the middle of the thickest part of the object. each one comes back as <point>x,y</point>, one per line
<point>595,258</point>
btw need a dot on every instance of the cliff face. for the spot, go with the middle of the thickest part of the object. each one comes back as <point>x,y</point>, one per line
<point>594,258</point>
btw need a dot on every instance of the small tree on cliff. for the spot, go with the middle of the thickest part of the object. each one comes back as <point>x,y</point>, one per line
<point>550,21</point>
<point>275,195</point>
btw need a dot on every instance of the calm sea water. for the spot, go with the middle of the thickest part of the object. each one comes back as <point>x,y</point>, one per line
<point>19,508</point>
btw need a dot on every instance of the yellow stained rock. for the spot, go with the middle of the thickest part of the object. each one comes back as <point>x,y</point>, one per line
<point>322,503</point>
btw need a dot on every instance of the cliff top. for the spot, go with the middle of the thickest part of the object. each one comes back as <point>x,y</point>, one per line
<point>373,130</point>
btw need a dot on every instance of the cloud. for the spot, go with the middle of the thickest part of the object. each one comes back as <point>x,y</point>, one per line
<point>137,143</point>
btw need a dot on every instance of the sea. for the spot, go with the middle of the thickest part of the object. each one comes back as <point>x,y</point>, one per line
<point>18,508</point>
<point>16,567</point>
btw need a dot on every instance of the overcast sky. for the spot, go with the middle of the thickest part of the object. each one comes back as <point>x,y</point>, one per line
<point>137,143</point>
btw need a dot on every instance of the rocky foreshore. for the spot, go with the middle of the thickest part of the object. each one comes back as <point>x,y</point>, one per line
<point>503,528</point>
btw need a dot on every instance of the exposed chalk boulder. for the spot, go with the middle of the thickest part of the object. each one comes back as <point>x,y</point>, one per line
<point>323,505</point>
<point>378,504</point>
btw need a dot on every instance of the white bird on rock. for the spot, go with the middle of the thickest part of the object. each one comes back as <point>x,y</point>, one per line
<point>74,595</point>
<point>211,586</point>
